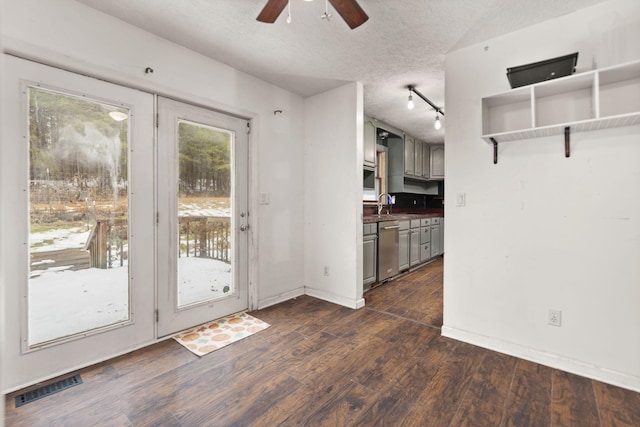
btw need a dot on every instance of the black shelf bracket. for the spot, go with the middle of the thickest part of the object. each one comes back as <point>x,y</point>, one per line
<point>495,150</point>
<point>567,141</point>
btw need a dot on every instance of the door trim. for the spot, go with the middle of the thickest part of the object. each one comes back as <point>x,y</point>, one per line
<point>48,361</point>
<point>173,318</point>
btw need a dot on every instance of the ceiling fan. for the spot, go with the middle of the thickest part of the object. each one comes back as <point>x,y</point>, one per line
<point>350,11</point>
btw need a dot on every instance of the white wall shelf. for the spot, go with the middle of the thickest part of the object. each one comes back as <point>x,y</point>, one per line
<point>589,101</point>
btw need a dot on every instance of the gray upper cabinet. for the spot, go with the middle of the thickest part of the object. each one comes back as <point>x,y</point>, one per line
<point>369,254</point>
<point>409,153</point>
<point>436,170</point>
<point>426,152</point>
<point>418,150</point>
<point>408,171</point>
<point>369,145</point>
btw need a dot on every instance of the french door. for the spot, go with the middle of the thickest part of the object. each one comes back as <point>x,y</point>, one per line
<point>202,218</point>
<point>77,223</point>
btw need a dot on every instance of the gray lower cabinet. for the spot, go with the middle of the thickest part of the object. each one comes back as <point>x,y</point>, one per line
<point>435,240</point>
<point>437,236</point>
<point>425,239</point>
<point>419,240</point>
<point>369,254</point>
<point>403,246</point>
<point>414,243</point>
<point>425,252</point>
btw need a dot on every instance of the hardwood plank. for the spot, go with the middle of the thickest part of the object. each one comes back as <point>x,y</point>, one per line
<point>343,408</point>
<point>243,404</point>
<point>291,409</point>
<point>492,380</point>
<point>441,397</point>
<point>400,397</point>
<point>363,323</point>
<point>573,401</point>
<point>476,412</point>
<point>618,407</point>
<point>529,402</point>
<point>388,409</point>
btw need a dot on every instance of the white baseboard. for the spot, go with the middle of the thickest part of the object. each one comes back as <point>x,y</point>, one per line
<point>277,299</point>
<point>573,366</point>
<point>336,299</point>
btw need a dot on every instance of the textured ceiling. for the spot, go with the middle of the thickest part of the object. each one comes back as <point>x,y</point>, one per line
<point>403,42</point>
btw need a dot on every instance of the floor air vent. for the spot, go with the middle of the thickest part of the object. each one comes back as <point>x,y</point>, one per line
<point>47,390</point>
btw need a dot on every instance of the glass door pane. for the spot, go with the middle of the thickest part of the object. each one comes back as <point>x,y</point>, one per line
<point>204,213</point>
<point>78,214</point>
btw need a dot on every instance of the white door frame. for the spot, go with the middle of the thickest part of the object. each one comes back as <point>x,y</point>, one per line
<point>171,318</point>
<point>24,367</point>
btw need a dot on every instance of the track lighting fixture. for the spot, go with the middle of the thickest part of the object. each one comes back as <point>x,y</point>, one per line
<point>410,105</point>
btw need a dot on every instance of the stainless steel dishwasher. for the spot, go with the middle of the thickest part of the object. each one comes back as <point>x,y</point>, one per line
<point>387,249</point>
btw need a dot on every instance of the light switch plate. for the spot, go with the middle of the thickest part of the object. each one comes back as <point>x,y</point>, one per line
<point>461,199</point>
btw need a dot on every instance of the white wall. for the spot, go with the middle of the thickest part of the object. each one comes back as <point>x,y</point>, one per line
<point>333,200</point>
<point>539,230</point>
<point>2,264</point>
<point>73,36</point>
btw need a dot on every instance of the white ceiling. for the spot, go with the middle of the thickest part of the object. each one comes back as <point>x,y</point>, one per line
<point>403,42</point>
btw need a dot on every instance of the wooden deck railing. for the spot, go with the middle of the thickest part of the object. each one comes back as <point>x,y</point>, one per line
<point>199,236</point>
<point>205,237</point>
<point>106,243</point>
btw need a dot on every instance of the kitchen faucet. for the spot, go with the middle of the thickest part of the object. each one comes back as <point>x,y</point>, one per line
<point>388,197</point>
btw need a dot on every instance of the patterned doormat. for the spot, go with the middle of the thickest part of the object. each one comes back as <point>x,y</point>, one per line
<point>211,336</point>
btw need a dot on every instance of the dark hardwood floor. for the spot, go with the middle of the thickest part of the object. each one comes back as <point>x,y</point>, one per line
<point>322,364</point>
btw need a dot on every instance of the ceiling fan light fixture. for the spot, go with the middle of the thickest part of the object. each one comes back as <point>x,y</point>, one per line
<point>349,10</point>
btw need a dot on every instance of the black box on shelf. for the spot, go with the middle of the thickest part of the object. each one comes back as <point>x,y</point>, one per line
<point>544,70</point>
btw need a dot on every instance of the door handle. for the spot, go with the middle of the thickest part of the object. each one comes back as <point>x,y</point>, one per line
<point>391,227</point>
<point>244,227</point>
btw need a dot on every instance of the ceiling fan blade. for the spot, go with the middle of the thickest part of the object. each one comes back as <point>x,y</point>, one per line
<point>350,11</point>
<point>271,11</point>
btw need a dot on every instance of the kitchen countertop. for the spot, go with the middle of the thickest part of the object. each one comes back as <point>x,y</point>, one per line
<point>398,217</point>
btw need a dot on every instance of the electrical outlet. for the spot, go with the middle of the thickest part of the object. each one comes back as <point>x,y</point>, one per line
<point>326,270</point>
<point>555,317</point>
